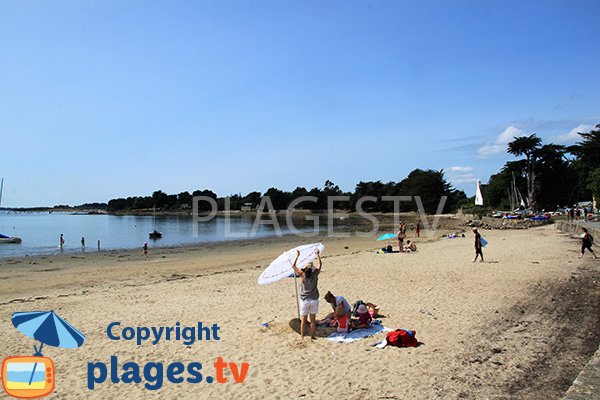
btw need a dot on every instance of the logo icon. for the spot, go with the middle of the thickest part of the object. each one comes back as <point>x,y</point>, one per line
<point>28,377</point>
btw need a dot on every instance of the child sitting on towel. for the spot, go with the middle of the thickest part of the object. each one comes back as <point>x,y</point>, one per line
<point>341,319</point>
<point>364,318</point>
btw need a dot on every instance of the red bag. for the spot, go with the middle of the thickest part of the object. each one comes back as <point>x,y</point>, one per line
<point>402,338</point>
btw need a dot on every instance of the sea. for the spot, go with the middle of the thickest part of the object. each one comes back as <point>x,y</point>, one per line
<point>40,231</point>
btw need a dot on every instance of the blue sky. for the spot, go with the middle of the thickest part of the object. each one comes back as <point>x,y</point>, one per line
<point>109,98</point>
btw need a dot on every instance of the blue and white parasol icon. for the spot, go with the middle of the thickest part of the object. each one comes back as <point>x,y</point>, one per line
<point>48,328</point>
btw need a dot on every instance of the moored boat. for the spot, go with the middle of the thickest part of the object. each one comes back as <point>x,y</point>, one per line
<point>4,238</point>
<point>9,239</point>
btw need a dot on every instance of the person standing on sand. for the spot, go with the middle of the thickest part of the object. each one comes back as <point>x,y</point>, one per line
<point>586,242</point>
<point>82,244</point>
<point>400,236</point>
<point>418,230</point>
<point>145,248</point>
<point>478,251</point>
<point>61,241</point>
<point>309,294</point>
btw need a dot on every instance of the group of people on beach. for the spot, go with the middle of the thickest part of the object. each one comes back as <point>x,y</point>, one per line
<point>341,315</point>
<point>401,235</point>
<point>61,243</point>
<point>577,213</point>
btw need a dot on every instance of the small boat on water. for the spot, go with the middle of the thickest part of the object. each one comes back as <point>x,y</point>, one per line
<point>9,239</point>
<point>155,234</point>
<point>4,238</point>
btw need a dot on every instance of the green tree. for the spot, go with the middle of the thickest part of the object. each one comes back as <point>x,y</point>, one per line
<point>160,199</point>
<point>431,186</point>
<point>529,147</point>
<point>587,153</point>
<point>594,183</point>
<point>184,198</point>
<point>280,200</point>
<point>253,198</point>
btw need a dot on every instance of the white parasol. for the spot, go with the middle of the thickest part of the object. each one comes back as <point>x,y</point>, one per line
<point>281,267</point>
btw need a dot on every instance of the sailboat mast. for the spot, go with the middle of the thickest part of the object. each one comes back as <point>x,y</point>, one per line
<point>1,187</point>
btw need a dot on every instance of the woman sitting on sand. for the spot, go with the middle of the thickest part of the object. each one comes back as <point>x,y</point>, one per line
<point>309,294</point>
<point>335,301</point>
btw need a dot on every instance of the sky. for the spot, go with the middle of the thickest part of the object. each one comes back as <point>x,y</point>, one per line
<point>106,99</point>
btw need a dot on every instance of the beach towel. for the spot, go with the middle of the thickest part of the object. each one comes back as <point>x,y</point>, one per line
<point>357,334</point>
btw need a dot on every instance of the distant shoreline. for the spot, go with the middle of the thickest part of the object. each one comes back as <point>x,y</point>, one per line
<point>352,225</point>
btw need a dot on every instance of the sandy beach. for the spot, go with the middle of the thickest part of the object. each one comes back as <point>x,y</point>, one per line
<point>521,325</point>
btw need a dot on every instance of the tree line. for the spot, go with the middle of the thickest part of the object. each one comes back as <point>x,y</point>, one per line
<point>550,175</point>
<point>430,185</point>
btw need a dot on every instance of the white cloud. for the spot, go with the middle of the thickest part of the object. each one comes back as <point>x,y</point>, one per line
<point>500,143</point>
<point>460,169</point>
<point>490,149</point>
<point>464,179</point>
<point>572,136</point>
<point>508,135</point>
<point>461,174</point>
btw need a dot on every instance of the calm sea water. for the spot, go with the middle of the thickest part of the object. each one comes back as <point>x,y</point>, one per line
<point>41,231</point>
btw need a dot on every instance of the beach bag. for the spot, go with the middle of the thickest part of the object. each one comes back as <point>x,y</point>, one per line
<point>402,338</point>
<point>483,241</point>
<point>355,307</point>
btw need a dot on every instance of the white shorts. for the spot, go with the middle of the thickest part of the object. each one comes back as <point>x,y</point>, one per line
<point>309,307</point>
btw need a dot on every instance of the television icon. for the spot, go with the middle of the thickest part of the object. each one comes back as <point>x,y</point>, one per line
<point>27,377</point>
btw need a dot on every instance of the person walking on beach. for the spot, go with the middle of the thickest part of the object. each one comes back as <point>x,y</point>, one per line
<point>309,294</point>
<point>82,244</point>
<point>478,251</point>
<point>98,244</point>
<point>61,241</point>
<point>586,242</point>
<point>418,230</point>
<point>145,248</point>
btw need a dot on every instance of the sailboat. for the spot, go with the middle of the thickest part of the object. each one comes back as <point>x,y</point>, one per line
<point>154,234</point>
<point>479,195</point>
<point>5,238</point>
<point>517,199</point>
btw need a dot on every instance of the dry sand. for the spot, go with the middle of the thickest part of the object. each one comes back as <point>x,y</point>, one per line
<point>521,325</point>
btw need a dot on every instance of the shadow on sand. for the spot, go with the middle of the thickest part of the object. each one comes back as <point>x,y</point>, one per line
<point>322,331</point>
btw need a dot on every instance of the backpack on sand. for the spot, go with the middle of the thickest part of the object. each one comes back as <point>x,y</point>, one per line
<point>402,338</point>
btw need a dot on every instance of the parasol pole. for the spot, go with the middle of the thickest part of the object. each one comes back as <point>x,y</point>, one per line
<point>297,302</point>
